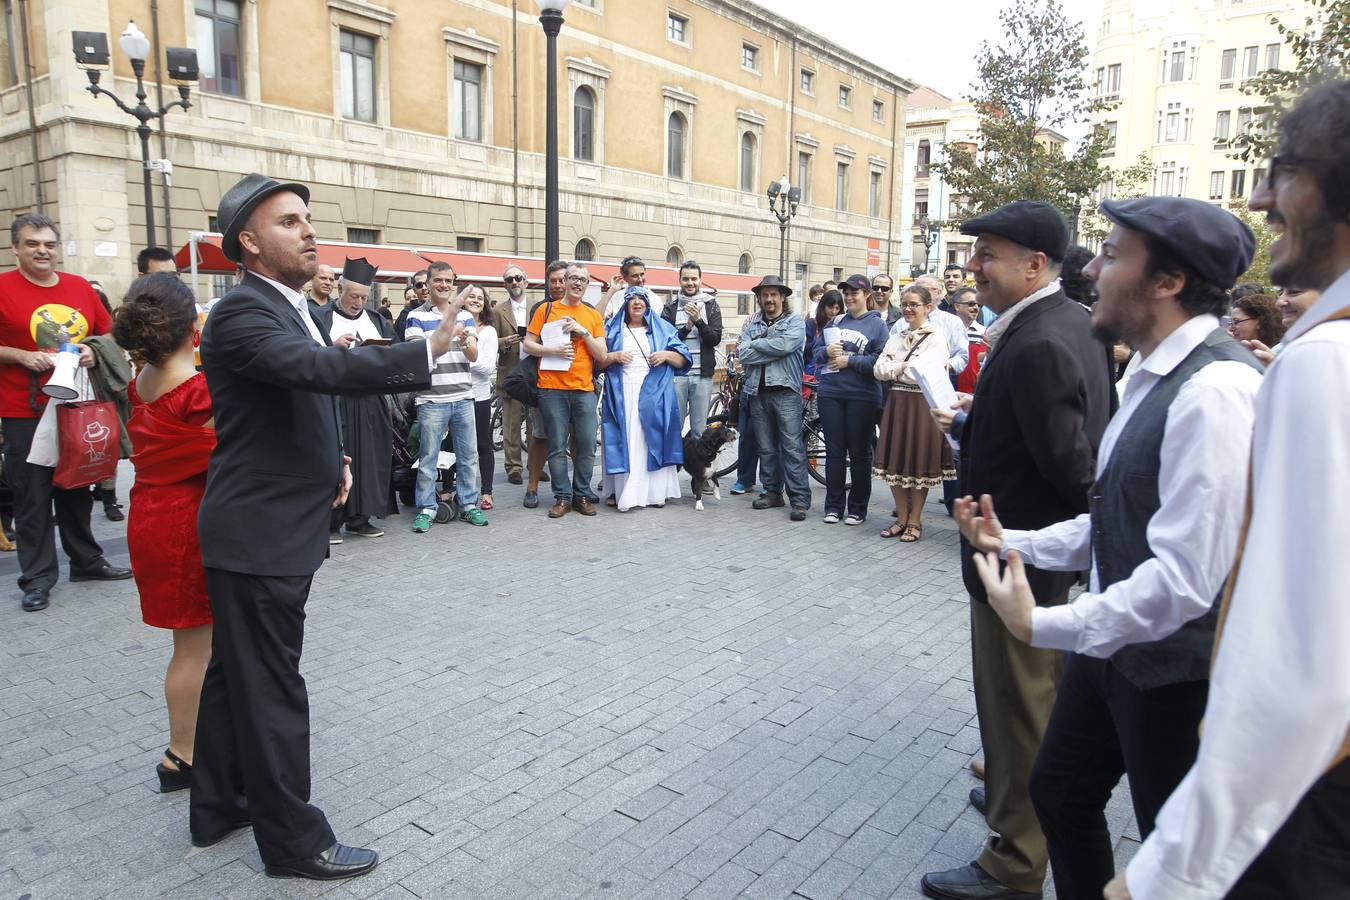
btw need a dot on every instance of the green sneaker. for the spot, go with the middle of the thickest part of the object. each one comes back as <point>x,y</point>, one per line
<point>473,515</point>
<point>421,523</point>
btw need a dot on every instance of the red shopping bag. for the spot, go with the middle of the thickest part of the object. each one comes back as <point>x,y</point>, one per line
<point>87,437</point>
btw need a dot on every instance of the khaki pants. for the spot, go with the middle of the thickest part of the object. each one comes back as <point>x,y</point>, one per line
<point>514,416</point>
<point>1014,693</point>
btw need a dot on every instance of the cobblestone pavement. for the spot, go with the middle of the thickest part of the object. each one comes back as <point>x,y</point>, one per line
<point>662,703</point>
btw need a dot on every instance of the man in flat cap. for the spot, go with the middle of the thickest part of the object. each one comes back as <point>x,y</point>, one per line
<point>1159,539</point>
<point>1265,810</point>
<point>1040,406</point>
<point>367,420</point>
<point>277,469</point>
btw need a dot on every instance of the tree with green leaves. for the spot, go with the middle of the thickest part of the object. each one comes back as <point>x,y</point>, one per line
<point>1031,84</point>
<point>1259,271</point>
<point>1321,48</point>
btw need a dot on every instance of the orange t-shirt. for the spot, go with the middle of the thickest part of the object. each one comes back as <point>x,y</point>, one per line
<point>577,378</point>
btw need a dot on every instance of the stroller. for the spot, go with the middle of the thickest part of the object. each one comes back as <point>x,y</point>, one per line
<point>407,455</point>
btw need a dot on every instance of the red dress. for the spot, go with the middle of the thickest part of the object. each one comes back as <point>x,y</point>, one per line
<point>170,450</point>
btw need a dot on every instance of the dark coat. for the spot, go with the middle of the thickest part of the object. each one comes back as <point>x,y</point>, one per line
<point>1042,402</point>
<point>274,473</point>
<point>709,331</point>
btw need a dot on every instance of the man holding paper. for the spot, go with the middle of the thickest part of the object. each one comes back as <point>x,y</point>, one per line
<point>569,339</point>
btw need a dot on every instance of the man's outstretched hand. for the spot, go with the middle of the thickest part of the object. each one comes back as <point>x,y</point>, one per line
<point>449,329</point>
<point>1009,593</point>
<point>978,523</point>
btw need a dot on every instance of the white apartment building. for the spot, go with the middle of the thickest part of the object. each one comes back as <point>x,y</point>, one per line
<point>933,121</point>
<point>1175,69</point>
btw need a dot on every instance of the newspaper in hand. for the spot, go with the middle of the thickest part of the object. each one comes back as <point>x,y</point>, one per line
<point>931,376</point>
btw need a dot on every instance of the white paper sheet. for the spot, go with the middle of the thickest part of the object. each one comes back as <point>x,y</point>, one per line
<point>931,376</point>
<point>553,335</point>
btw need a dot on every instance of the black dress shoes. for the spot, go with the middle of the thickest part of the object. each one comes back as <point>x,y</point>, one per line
<point>338,861</point>
<point>217,838</point>
<point>35,600</point>
<point>977,799</point>
<point>100,571</point>
<point>970,883</point>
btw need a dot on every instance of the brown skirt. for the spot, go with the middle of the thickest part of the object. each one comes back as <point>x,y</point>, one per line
<point>911,451</point>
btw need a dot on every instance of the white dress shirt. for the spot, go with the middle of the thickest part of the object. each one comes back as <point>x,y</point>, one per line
<point>1279,696</point>
<point>1202,486</point>
<point>953,331</point>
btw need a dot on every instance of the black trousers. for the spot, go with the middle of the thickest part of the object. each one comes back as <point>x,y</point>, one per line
<point>1310,855</point>
<point>487,456</point>
<point>1103,726</point>
<point>251,759</point>
<point>849,433</point>
<point>34,497</point>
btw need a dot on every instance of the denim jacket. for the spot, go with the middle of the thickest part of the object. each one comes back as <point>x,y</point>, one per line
<point>775,350</point>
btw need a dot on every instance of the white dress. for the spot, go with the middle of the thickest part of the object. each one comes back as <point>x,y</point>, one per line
<point>638,487</point>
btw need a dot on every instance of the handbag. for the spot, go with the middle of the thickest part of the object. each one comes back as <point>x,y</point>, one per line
<point>523,382</point>
<point>45,449</point>
<point>88,436</point>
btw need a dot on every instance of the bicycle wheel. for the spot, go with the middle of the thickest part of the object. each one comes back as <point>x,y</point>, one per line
<point>815,448</point>
<point>497,424</point>
<point>728,456</point>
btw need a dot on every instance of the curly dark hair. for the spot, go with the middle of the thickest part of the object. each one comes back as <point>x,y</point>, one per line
<point>1261,307</point>
<point>1076,287</point>
<point>155,318</point>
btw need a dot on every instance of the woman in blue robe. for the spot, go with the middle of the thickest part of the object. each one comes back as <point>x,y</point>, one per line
<point>640,416</point>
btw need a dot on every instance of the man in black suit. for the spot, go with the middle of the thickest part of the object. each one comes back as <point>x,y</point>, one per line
<point>277,469</point>
<point>1040,406</point>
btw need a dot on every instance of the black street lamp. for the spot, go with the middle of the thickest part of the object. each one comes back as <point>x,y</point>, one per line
<point>91,53</point>
<point>550,16</point>
<point>932,232</point>
<point>783,202</point>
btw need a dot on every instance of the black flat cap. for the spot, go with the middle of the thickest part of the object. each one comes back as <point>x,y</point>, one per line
<point>1034,224</point>
<point>857,282</point>
<point>772,281</point>
<point>240,201</point>
<point>1212,241</point>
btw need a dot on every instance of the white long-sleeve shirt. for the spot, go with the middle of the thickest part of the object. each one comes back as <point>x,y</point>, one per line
<point>1279,696</point>
<point>1202,486</point>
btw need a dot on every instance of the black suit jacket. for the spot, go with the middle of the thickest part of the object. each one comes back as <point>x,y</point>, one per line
<point>278,456</point>
<point>1042,401</point>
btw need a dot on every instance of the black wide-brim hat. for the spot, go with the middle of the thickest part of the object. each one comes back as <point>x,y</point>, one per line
<point>772,281</point>
<point>240,201</point>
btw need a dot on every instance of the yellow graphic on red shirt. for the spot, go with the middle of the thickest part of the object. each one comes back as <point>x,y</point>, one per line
<point>54,324</point>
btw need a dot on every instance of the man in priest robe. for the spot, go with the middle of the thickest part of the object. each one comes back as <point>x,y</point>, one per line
<point>367,421</point>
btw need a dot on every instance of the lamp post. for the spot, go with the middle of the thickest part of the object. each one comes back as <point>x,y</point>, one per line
<point>783,202</point>
<point>91,54</point>
<point>932,232</point>
<point>550,16</point>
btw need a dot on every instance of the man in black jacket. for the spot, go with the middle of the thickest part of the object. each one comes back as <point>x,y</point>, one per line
<point>695,310</point>
<point>277,469</point>
<point>1040,406</point>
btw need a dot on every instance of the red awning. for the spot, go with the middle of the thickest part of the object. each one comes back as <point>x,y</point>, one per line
<point>396,264</point>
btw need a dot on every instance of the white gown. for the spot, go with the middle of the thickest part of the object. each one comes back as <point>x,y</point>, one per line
<point>638,487</point>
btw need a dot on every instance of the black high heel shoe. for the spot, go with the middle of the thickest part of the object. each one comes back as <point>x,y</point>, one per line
<point>171,780</point>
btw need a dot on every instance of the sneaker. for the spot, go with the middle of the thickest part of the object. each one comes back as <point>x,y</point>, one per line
<point>473,515</point>
<point>421,523</point>
<point>739,489</point>
<point>365,530</point>
<point>335,537</point>
<point>531,499</point>
<point>831,518</point>
<point>854,520</point>
<point>768,501</point>
<point>797,515</point>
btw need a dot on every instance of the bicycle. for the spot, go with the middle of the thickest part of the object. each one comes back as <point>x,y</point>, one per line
<point>725,406</point>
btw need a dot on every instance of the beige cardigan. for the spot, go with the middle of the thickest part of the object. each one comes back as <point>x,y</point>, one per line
<point>895,360</point>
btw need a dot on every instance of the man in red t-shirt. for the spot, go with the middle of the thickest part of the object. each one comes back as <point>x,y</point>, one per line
<point>40,309</point>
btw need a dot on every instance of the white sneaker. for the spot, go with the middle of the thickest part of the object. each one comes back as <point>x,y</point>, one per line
<point>854,520</point>
<point>831,518</point>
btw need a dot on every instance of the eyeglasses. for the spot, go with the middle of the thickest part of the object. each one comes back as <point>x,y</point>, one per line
<point>1277,163</point>
<point>512,279</point>
<point>911,306</point>
<point>577,279</point>
<point>1234,322</point>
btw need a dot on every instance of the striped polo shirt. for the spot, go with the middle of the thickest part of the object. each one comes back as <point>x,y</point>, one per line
<point>450,379</point>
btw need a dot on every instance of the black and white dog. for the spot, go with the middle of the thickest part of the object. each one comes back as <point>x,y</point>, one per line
<point>700,457</point>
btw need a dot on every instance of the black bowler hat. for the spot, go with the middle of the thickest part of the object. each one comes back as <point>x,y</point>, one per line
<point>240,201</point>
<point>1034,224</point>
<point>772,281</point>
<point>359,271</point>
<point>1212,241</point>
<point>857,282</point>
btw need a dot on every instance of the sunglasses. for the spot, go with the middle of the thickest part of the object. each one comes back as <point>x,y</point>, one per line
<point>419,284</point>
<point>513,279</point>
<point>884,289</point>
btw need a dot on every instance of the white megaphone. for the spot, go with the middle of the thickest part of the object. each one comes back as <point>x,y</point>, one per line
<point>61,386</point>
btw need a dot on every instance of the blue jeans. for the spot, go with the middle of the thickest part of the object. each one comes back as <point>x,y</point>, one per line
<point>747,450</point>
<point>694,394</point>
<point>777,417</point>
<point>433,421</point>
<point>567,414</point>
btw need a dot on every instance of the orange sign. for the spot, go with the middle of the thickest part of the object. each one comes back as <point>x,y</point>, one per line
<point>874,251</point>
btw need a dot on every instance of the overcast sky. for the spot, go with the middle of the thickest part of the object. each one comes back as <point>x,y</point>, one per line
<point>933,43</point>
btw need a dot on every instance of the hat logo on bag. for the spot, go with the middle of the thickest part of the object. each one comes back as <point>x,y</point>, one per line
<point>96,435</point>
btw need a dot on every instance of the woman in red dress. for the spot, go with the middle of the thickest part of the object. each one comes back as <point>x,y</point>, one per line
<point>172,435</point>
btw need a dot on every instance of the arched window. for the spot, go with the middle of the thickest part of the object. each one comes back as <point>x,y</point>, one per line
<point>748,162</point>
<point>585,250</point>
<point>583,124</point>
<point>745,263</point>
<point>675,136</point>
<point>675,256</point>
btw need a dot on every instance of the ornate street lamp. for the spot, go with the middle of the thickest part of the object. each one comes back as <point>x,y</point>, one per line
<point>932,233</point>
<point>550,16</point>
<point>91,54</point>
<point>783,202</point>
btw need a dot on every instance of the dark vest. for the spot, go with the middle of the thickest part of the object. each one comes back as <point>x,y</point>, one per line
<point>1123,500</point>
